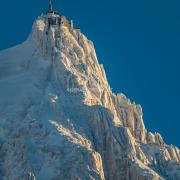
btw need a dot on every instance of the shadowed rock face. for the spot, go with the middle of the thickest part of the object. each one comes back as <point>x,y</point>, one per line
<point>60,120</point>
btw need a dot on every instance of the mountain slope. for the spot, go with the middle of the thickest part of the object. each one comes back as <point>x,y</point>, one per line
<point>59,118</point>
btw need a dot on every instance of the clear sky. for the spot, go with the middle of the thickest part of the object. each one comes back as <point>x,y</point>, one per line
<point>138,42</point>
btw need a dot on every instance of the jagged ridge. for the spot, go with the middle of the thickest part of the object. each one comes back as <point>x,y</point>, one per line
<point>60,120</point>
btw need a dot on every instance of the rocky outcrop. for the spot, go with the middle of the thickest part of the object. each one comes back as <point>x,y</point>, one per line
<point>59,118</point>
<point>131,117</point>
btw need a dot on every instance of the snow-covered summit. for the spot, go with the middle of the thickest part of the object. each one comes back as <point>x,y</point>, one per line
<point>60,120</point>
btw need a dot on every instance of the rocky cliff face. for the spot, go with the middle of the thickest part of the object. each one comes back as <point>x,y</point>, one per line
<point>60,120</point>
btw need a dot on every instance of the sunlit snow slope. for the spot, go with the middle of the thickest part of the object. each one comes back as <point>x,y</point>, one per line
<point>59,119</point>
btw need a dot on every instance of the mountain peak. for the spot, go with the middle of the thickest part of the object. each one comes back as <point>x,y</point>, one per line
<point>60,119</point>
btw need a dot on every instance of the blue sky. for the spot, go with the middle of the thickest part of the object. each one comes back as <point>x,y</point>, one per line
<point>137,41</point>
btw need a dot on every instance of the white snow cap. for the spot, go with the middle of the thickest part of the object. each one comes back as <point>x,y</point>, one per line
<point>60,120</point>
